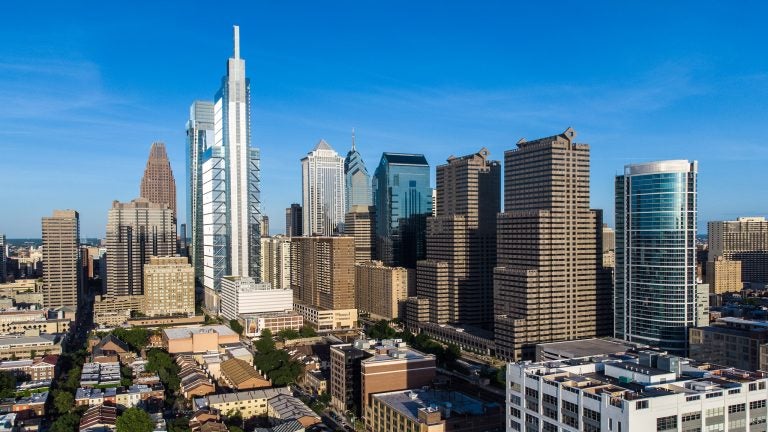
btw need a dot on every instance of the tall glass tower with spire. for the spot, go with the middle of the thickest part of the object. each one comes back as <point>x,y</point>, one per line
<point>231,185</point>
<point>357,181</point>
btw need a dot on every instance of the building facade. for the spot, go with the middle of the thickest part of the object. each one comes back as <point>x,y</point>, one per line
<point>241,296</point>
<point>276,261</point>
<point>729,341</point>
<point>323,194</point>
<point>745,240</point>
<point>344,385</point>
<point>549,283</point>
<point>62,276</point>
<point>357,181</point>
<point>359,222</point>
<point>380,290</point>
<point>136,231</point>
<point>323,271</point>
<point>3,260</point>
<point>169,287</point>
<point>294,221</point>
<point>656,287</point>
<point>724,275</point>
<point>402,195</point>
<point>158,185</point>
<point>199,138</point>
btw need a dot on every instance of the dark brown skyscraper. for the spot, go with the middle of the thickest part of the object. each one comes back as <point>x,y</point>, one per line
<point>549,284</point>
<point>323,271</point>
<point>62,272</point>
<point>457,276</point>
<point>158,185</point>
<point>294,221</point>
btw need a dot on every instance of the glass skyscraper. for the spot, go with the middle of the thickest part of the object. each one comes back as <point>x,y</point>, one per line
<point>656,289</point>
<point>199,138</point>
<point>402,195</point>
<point>357,180</point>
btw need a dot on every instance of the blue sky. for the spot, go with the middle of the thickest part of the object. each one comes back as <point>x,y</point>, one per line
<point>85,88</point>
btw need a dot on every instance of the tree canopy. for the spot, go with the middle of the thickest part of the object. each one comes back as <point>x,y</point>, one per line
<point>136,338</point>
<point>135,420</point>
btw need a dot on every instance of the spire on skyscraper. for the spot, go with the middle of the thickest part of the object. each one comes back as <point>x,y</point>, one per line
<point>237,42</point>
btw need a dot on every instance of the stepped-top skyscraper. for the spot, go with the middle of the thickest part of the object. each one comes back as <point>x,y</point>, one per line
<point>403,198</point>
<point>549,283</point>
<point>199,138</point>
<point>323,197</point>
<point>656,288</point>
<point>356,178</point>
<point>158,184</point>
<point>231,185</point>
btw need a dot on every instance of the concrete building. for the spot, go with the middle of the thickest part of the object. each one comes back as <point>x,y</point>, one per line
<point>357,181</point>
<point>199,137</point>
<point>729,341</point>
<point>724,276</point>
<point>242,296</point>
<point>323,271</point>
<point>254,324</point>
<point>402,195</point>
<point>62,273</point>
<point>566,350</point>
<point>359,223</point>
<point>197,339</point>
<point>656,297</point>
<point>17,346</point>
<point>327,319</point>
<point>158,185</point>
<point>276,261</point>
<point>382,291</point>
<point>393,368</point>
<point>323,194</point>
<point>294,221</point>
<point>434,411</point>
<point>111,311</point>
<point>136,231</point>
<point>169,287</point>
<point>644,391</point>
<point>457,276</point>
<point>745,240</point>
<point>549,283</point>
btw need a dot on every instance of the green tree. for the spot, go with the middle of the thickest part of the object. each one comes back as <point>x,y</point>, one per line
<point>7,384</point>
<point>307,331</point>
<point>236,326</point>
<point>288,334</point>
<point>137,338</point>
<point>135,420</point>
<point>381,330</point>
<point>68,422</point>
<point>63,401</point>
<point>265,343</point>
<point>178,425</point>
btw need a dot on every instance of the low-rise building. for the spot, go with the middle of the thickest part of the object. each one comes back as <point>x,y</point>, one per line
<point>194,381</point>
<point>254,324</point>
<point>237,374</point>
<point>327,319</point>
<point>243,296</point>
<point>87,396</point>
<point>31,406</point>
<point>113,311</point>
<point>99,418</point>
<point>198,339</point>
<point>729,341</point>
<point>286,408</point>
<point>100,374</point>
<point>249,403</point>
<point>28,346</point>
<point>38,369</point>
<point>633,391</point>
<point>316,382</point>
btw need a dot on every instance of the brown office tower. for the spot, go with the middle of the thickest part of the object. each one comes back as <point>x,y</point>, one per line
<point>158,185</point>
<point>745,240</point>
<point>323,271</point>
<point>549,284</point>
<point>456,278</point>
<point>359,223</point>
<point>62,269</point>
<point>136,231</point>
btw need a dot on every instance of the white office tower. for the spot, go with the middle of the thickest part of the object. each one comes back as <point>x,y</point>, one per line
<point>231,178</point>
<point>243,295</point>
<point>323,191</point>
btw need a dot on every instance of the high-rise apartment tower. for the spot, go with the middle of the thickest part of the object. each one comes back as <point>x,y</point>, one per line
<point>62,273</point>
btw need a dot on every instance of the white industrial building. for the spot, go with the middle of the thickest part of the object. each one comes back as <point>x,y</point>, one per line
<point>243,295</point>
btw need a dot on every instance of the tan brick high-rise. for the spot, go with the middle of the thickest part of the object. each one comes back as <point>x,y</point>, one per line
<point>157,184</point>
<point>381,290</point>
<point>323,271</point>
<point>456,279</point>
<point>359,223</point>
<point>724,276</point>
<point>169,287</point>
<point>745,240</point>
<point>62,269</point>
<point>549,284</point>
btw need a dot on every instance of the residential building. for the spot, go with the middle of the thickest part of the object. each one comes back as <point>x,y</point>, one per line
<point>3,259</point>
<point>323,198</point>
<point>136,231</point>
<point>111,310</point>
<point>238,375</point>
<point>345,387</point>
<point>169,287</point>
<point>200,135</point>
<point>28,346</point>
<point>549,283</point>
<point>294,221</point>
<point>433,410</point>
<point>61,251</point>
<point>745,240</point>
<point>194,382</point>
<point>99,418</point>
<point>158,185</point>
<point>276,261</point>
<point>242,295</point>
<point>402,195</point>
<point>724,275</point>
<point>197,339</point>
<point>380,290</point>
<point>231,185</point>
<point>729,341</point>
<point>644,391</point>
<point>323,271</point>
<point>254,324</point>
<point>656,293</point>
<point>359,223</point>
<point>357,181</point>
<point>250,403</point>
<point>457,275</point>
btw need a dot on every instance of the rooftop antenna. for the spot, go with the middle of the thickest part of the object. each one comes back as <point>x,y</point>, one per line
<point>237,42</point>
<point>353,139</point>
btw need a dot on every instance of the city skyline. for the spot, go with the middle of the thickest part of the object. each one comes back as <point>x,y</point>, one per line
<point>682,93</point>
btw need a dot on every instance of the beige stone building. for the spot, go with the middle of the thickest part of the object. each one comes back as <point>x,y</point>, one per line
<point>276,261</point>
<point>724,275</point>
<point>323,271</point>
<point>169,287</point>
<point>360,223</point>
<point>198,339</point>
<point>327,319</point>
<point>549,284</point>
<point>381,290</point>
<point>745,240</point>
<point>111,311</point>
<point>61,257</point>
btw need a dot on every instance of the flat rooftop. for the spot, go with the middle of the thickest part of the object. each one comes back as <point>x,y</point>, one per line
<point>582,348</point>
<point>187,332</point>
<point>409,402</point>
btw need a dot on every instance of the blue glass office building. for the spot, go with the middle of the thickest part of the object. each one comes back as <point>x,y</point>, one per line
<point>402,194</point>
<point>655,294</point>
